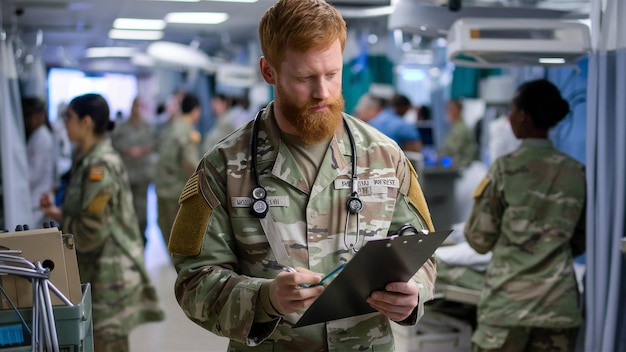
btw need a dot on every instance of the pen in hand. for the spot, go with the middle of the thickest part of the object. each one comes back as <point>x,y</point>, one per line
<point>326,277</point>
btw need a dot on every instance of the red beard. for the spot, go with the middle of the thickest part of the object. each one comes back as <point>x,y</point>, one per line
<point>312,127</point>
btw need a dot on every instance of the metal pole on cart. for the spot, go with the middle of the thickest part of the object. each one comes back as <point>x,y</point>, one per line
<point>43,333</point>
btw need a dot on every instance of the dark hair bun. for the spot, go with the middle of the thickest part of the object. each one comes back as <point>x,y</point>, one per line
<point>110,125</point>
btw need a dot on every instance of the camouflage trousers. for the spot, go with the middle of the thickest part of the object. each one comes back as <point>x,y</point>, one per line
<point>102,343</point>
<point>140,203</point>
<point>489,338</point>
<point>167,210</point>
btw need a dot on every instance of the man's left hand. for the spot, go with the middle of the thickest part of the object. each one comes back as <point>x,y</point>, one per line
<point>397,301</point>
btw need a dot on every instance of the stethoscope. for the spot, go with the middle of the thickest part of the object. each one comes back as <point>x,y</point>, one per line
<point>259,206</point>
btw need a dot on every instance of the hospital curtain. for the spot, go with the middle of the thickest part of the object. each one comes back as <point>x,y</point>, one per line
<point>606,166</point>
<point>14,190</point>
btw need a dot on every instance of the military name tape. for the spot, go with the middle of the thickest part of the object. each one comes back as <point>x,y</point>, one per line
<point>272,201</point>
<point>390,182</point>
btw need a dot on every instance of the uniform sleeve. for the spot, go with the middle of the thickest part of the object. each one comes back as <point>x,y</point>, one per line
<point>578,238</point>
<point>190,150</point>
<point>411,208</point>
<point>482,230</point>
<point>208,288</point>
<point>90,226</point>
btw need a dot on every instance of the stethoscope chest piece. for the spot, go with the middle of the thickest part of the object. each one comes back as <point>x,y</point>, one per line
<point>259,206</point>
<point>355,205</point>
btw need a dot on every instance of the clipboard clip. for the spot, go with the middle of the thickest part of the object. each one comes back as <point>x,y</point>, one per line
<point>407,228</point>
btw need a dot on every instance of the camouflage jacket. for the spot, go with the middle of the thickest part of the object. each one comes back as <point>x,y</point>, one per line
<point>459,145</point>
<point>98,211</point>
<point>179,143</point>
<point>529,210</point>
<point>223,256</point>
<point>126,136</point>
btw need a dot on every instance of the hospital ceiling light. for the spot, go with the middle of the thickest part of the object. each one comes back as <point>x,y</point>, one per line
<point>196,17</point>
<point>552,60</point>
<point>354,12</point>
<point>138,23</point>
<point>246,1</point>
<point>109,51</point>
<point>135,35</point>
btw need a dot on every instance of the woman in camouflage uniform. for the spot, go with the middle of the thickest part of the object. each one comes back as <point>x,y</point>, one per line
<point>98,211</point>
<point>530,211</point>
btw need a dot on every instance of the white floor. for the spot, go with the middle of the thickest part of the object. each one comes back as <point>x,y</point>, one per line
<point>176,333</point>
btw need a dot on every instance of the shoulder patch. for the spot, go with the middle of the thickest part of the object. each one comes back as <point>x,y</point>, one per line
<point>192,188</point>
<point>192,218</point>
<point>481,187</point>
<point>194,137</point>
<point>96,173</point>
<point>416,197</point>
<point>98,204</point>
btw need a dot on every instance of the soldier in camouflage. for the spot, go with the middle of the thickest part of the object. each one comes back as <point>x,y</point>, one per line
<point>459,144</point>
<point>230,279</point>
<point>179,153</point>
<point>134,140</point>
<point>98,211</point>
<point>529,210</point>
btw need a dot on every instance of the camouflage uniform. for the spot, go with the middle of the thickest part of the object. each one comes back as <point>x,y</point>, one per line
<point>140,169</point>
<point>224,126</point>
<point>98,211</point>
<point>459,145</point>
<point>223,257</point>
<point>529,211</point>
<point>179,144</point>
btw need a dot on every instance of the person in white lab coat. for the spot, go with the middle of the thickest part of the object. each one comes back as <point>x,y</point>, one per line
<point>41,154</point>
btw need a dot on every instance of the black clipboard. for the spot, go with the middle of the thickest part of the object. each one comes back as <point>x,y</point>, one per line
<point>391,259</point>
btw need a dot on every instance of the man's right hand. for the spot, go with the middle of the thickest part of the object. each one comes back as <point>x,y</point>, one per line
<point>287,296</point>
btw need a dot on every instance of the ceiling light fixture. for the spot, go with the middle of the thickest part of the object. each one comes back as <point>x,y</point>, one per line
<point>196,17</point>
<point>135,35</point>
<point>138,23</point>
<point>354,12</point>
<point>246,1</point>
<point>552,60</point>
<point>109,51</point>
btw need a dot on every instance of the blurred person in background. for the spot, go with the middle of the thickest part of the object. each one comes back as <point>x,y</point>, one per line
<point>460,144</point>
<point>530,212</point>
<point>134,140</point>
<point>368,107</point>
<point>98,211</point>
<point>225,122</point>
<point>391,122</point>
<point>40,149</point>
<point>178,155</point>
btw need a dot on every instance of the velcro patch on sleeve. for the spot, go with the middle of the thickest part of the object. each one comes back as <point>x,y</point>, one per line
<point>98,204</point>
<point>481,187</point>
<point>192,188</point>
<point>416,197</point>
<point>192,218</point>
<point>96,173</point>
<point>195,137</point>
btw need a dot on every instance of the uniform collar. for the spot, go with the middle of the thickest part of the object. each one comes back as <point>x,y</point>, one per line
<point>537,143</point>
